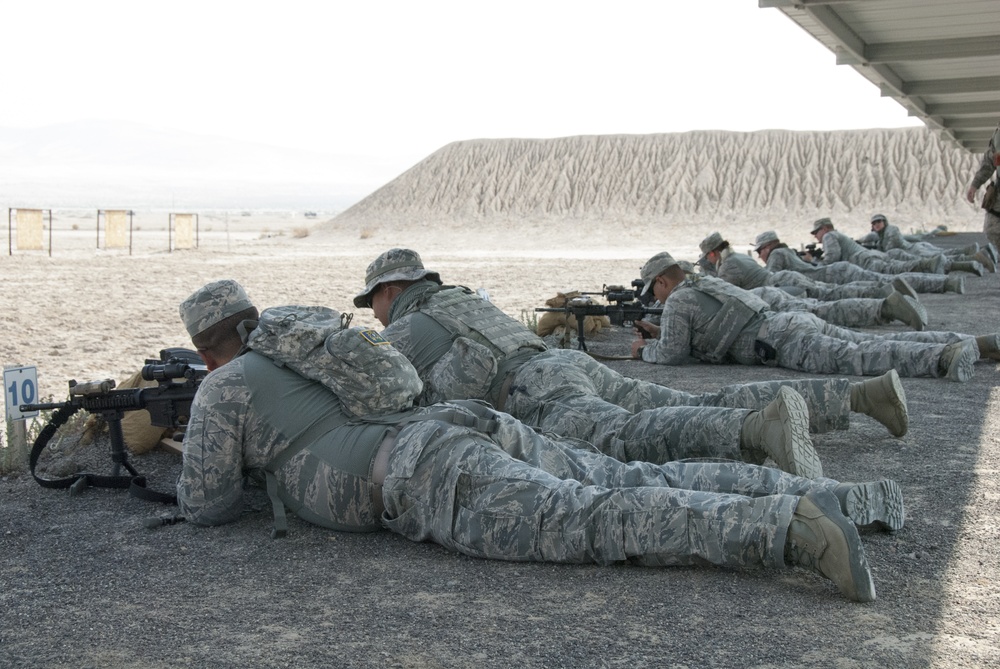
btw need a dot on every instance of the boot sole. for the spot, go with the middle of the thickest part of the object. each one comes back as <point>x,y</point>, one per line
<point>961,367</point>
<point>902,286</point>
<point>877,505</point>
<point>801,457</point>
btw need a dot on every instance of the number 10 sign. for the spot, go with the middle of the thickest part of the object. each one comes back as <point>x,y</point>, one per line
<point>20,386</point>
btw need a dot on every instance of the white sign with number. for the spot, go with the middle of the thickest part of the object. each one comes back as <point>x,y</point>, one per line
<point>20,386</point>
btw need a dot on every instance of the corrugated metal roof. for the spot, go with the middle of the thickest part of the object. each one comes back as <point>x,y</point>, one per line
<point>940,59</point>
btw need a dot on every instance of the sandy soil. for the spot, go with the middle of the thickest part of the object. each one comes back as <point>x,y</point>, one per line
<point>84,584</point>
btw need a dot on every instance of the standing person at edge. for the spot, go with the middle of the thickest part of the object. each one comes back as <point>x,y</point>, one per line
<point>888,239</point>
<point>837,246</point>
<point>711,320</point>
<point>361,458</point>
<point>743,272</point>
<point>777,257</point>
<point>989,166</point>
<point>465,347</point>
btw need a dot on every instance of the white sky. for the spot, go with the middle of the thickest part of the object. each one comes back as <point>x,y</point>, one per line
<point>397,80</point>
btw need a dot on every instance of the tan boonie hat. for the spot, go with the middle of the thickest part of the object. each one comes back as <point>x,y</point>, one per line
<point>393,265</point>
<point>823,222</point>
<point>710,243</point>
<point>654,267</point>
<point>212,303</point>
<point>764,239</point>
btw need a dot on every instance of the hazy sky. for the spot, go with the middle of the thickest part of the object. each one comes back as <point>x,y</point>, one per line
<point>400,79</point>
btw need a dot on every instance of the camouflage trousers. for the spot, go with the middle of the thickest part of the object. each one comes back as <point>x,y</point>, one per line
<point>854,312</point>
<point>925,250</point>
<point>885,264</point>
<point>845,272</point>
<point>809,344</point>
<point>567,392</point>
<point>818,290</point>
<point>991,226</point>
<point>518,495</point>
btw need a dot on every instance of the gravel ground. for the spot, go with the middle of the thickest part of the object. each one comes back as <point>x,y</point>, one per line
<point>84,584</point>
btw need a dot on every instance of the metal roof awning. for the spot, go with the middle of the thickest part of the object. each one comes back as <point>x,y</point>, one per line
<point>939,59</point>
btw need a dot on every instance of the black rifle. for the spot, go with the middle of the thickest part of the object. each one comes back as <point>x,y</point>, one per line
<point>178,373</point>
<point>811,250</point>
<point>625,308</point>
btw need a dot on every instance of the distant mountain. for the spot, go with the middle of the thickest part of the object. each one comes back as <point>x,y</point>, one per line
<point>777,176</point>
<point>116,163</point>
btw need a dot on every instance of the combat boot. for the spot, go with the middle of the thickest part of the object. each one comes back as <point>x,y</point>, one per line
<point>898,307</point>
<point>876,505</point>
<point>957,360</point>
<point>984,259</point>
<point>931,265</point>
<point>901,285</point>
<point>989,347</point>
<point>954,284</point>
<point>823,540</point>
<point>883,399</point>
<point>781,431</point>
<point>970,266</point>
<point>991,251</point>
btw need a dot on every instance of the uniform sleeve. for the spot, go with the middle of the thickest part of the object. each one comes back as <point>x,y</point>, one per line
<point>893,239</point>
<point>210,488</point>
<point>674,345</point>
<point>985,171</point>
<point>831,249</point>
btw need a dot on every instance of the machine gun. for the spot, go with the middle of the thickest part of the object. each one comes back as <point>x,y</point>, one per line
<point>625,308</point>
<point>178,374</point>
<point>812,251</point>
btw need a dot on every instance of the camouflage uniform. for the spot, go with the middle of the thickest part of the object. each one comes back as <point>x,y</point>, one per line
<point>742,271</point>
<point>471,479</point>
<point>695,325</point>
<point>784,258</point>
<point>837,246</point>
<point>855,312</point>
<point>568,392</point>
<point>892,242</point>
<point>987,168</point>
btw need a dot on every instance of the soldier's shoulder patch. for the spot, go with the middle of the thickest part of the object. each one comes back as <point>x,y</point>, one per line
<point>373,338</point>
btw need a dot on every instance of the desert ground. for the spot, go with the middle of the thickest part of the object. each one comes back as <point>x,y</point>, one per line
<point>83,583</point>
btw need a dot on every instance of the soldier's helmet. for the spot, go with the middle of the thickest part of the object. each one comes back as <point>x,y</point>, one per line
<point>393,265</point>
<point>213,303</point>
<point>710,243</point>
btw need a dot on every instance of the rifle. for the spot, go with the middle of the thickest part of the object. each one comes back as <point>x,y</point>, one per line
<point>625,307</point>
<point>178,374</point>
<point>811,250</point>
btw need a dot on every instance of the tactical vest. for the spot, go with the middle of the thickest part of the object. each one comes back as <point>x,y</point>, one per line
<point>464,314</point>
<point>737,309</point>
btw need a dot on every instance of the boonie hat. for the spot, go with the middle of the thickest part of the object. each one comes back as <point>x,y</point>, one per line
<point>654,267</point>
<point>821,223</point>
<point>393,265</point>
<point>765,238</point>
<point>212,303</point>
<point>710,243</point>
<point>879,217</point>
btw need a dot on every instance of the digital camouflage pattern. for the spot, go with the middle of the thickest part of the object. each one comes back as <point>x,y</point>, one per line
<point>837,246</point>
<point>393,265</point>
<point>213,303</point>
<point>890,238</point>
<point>523,496</point>
<point>784,258</point>
<point>851,313</point>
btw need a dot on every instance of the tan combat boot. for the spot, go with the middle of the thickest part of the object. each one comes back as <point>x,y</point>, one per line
<point>883,399</point>
<point>878,505</point>
<point>957,360</point>
<point>781,431</point>
<point>823,540</point>
<point>954,283</point>
<point>901,285</point>
<point>989,346</point>
<point>898,307</point>
<point>984,258</point>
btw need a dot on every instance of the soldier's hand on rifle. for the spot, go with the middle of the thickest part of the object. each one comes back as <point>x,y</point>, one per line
<point>645,329</point>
